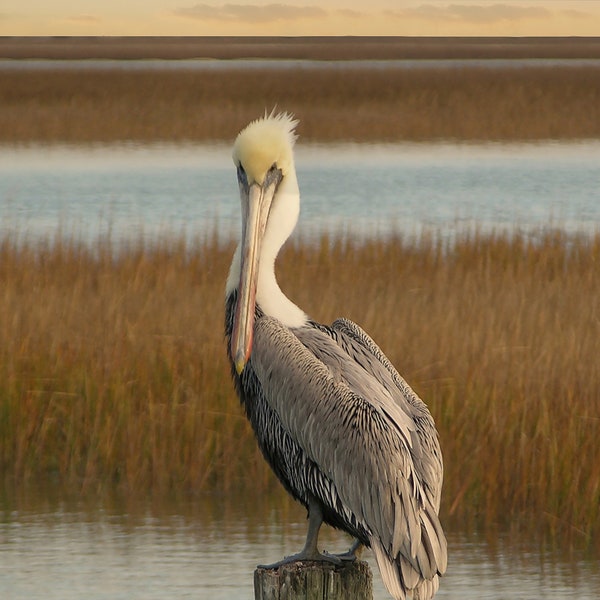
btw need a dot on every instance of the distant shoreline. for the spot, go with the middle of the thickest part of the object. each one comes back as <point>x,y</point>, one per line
<point>315,48</point>
<point>355,103</point>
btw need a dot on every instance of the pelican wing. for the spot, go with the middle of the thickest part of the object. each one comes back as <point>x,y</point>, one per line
<point>363,441</point>
<point>428,457</point>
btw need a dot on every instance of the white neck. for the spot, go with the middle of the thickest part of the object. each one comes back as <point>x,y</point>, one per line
<point>282,220</point>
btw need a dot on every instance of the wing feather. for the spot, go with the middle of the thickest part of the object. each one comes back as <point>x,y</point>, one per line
<point>427,453</point>
<point>354,421</point>
<point>347,449</point>
<point>358,344</point>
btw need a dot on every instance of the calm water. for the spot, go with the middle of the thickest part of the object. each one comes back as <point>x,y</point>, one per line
<point>129,191</point>
<point>204,64</point>
<point>210,64</point>
<point>208,549</point>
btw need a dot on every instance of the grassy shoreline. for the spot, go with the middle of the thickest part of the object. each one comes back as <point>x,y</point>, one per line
<point>118,378</point>
<point>350,104</point>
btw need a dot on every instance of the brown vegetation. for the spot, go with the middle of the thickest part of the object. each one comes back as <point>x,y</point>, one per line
<point>312,48</point>
<point>113,369</point>
<point>332,104</point>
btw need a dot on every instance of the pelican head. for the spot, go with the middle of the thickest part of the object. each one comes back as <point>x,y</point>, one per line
<point>263,155</point>
<point>265,145</point>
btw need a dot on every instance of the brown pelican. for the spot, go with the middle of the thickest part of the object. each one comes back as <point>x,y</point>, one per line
<point>338,425</point>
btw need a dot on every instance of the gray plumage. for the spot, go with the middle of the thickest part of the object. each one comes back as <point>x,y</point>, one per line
<point>338,423</point>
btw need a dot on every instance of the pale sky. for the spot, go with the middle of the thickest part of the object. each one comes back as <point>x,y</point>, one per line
<point>300,17</point>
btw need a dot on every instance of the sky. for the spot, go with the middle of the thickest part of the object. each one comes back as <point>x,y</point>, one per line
<point>300,17</point>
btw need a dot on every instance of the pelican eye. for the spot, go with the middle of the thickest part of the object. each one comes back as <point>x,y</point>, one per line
<point>274,175</point>
<point>241,173</point>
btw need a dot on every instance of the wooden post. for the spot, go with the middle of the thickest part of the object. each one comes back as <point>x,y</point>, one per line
<point>314,581</point>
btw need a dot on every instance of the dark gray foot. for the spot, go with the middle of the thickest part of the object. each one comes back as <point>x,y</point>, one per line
<point>310,551</point>
<point>350,555</point>
<point>346,557</point>
<point>305,556</point>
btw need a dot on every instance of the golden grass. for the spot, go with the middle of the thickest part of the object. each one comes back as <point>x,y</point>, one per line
<point>333,104</point>
<point>113,369</point>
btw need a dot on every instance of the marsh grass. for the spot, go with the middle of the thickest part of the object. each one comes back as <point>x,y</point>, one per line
<point>360,104</point>
<point>113,369</point>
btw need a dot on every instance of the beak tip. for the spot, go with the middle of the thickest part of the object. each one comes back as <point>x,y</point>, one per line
<point>240,363</point>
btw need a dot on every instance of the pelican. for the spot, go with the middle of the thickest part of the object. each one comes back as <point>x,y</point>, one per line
<point>342,430</point>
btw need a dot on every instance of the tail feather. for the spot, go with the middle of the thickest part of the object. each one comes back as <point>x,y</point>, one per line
<point>410,576</point>
<point>389,571</point>
<point>426,589</point>
<point>418,576</point>
<point>436,540</point>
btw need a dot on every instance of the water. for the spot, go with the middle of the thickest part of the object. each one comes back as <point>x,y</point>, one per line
<point>209,64</point>
<point>126,191</point>
<point>208,548</point>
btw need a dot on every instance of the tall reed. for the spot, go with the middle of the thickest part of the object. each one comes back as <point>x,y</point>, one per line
<point>113,369</point>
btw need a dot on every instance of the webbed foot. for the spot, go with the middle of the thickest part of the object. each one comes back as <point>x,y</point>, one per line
<point>305,556</point>
<point>346,557</point>
<point>310,551</point>
<point>350,554</point>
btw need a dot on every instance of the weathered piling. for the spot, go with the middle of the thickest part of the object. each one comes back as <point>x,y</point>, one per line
<point>314,581</point>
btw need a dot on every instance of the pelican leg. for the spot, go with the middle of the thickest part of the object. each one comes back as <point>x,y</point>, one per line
<point>310,550</point>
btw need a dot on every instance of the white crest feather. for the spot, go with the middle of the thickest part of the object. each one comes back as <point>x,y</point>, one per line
<point>266,141</point>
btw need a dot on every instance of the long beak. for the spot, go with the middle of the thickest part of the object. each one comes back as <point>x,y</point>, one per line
<point>256,204</point>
